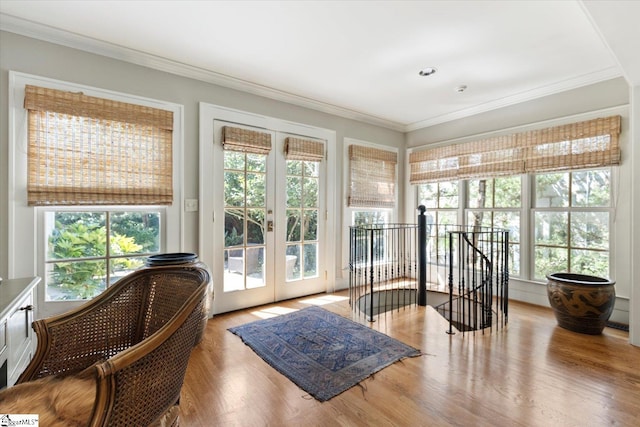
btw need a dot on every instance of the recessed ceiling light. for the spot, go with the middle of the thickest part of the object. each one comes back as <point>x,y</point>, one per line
<point>427,71</point>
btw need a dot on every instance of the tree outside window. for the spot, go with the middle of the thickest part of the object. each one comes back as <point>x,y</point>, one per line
<point>496,203</point>
<point>572,223</point>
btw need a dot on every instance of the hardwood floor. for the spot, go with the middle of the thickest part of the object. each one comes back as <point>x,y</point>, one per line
<point>532,373</point>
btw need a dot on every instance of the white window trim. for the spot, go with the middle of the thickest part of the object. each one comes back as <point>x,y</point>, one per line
<point>25,257</point>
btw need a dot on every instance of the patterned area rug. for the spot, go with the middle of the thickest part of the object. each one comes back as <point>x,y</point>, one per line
<point>322,352</point>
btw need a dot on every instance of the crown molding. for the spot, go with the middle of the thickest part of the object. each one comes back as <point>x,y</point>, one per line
<point>76,41</point>
<point>53,35</point>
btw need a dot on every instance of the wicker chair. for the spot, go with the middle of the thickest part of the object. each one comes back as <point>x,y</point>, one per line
<point>128,347</point>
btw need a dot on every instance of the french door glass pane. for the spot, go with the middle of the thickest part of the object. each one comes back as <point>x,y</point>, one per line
<point>302,219</point>
<point>234,189</point>
<point>293,262</point>
<point>255,226</point>
<point>310,224</point>
<point>233,227</point>
<point>310,260</point>
<point>244,220</point>
<point>256,189</point>
<point>294,191</point>
<point>310,191</point>
<point>294,225</point>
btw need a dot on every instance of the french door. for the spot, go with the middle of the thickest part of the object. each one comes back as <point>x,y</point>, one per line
<point>265,238</point>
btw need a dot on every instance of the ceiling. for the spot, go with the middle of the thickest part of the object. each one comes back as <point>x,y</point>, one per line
<point>358,59</point>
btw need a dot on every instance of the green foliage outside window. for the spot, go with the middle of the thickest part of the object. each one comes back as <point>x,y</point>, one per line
<point>77,249</point>
<point>572,223</point>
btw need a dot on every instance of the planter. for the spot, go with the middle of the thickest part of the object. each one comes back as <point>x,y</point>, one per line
<point>186,259</point>
<point>581,303</point>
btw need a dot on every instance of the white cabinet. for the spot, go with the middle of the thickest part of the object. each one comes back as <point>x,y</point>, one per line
<point>17,305</point>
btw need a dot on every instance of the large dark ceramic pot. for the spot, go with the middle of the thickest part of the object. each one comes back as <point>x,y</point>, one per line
<point>581,303</point>
<point>186,259</point>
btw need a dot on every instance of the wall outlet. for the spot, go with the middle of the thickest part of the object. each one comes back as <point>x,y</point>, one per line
<point>191,205</point>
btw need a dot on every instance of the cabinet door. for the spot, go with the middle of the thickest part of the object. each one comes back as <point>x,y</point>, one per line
<point>19,337</point>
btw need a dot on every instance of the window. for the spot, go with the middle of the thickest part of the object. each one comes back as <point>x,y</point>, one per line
<point>89,151</point>
<point>88,250</point>
<point>98,173</point>
<point>441,200</point>
<point>571,217</point>
<point>570,213</point>
<point>496,203</point>
<point>372,177</point>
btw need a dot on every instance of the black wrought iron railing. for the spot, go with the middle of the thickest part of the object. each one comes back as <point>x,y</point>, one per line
<point>382,267</point>
<point>463,272</point>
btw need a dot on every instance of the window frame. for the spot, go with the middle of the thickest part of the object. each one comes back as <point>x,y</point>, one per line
<point>26,225</point>
<point>42,212</point>
<point>494,209</point>
<point>569,210</point>
<point>527,218</point>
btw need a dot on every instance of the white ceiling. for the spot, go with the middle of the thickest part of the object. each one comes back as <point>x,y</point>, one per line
<point>359,59</point>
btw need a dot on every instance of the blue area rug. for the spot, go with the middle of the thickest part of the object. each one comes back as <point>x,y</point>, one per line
<point>322,352</point>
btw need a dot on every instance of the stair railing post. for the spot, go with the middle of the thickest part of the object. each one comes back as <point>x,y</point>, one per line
<point>422,256</point>
<point>371,265</point>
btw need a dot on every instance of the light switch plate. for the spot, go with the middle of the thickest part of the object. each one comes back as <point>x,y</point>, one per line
<point>191,205</point>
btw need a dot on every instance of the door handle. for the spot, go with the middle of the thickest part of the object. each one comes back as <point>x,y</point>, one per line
<point>269,225</point>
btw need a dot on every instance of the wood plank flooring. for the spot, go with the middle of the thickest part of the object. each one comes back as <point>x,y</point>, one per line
<point>532,373</point>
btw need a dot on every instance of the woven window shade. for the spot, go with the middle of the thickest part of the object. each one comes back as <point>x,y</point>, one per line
<point>592,143</point>
<point>245,140</point>
<point>372,175</point>
<point>433,165</point>
<point>84,150</point>
<point>303,149</point>
<point>482,158</point>
<point>491,157</point>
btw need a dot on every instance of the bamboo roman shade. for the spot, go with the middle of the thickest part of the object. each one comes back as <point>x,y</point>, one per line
<point>372,174</point>
<point>592,143</point>
<point>246,140</point>
<point>303,149</point>
<point>85,150</point>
